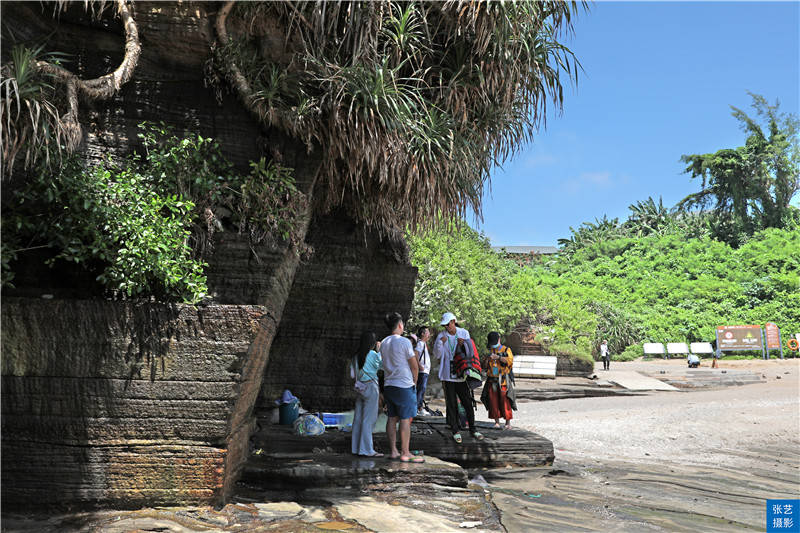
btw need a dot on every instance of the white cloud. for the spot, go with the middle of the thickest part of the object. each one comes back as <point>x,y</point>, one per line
<point>597,178</point>
<point>540,160</point>
<point>590,180</point>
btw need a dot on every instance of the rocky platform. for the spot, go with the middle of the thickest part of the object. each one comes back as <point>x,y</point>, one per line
<point>283,460</point>
<point>698,378</point>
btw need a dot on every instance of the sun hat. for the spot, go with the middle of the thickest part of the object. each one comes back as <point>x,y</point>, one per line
<point>446,318</point>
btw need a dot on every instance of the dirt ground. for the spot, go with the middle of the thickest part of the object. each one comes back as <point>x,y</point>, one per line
<point>702,460</point>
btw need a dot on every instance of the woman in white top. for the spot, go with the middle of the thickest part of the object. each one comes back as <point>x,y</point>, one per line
<point>424,359</point>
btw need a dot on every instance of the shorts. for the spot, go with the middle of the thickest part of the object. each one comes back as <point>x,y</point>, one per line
<point>400,403</point>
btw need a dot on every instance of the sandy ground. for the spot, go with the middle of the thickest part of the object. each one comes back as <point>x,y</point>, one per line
<point>703,460</point>
<point>698,427</point>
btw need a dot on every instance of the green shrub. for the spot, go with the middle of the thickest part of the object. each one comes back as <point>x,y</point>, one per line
<point>569,350</point>
<point>632,352</point>
<point>143,224</point>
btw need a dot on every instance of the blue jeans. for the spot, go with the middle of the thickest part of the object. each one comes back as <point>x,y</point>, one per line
<point>422,382</point>
<point>364,418</point>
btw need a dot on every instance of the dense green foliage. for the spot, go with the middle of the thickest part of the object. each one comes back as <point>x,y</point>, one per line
<point>32,128</point>
<point>459,273</point>
<point>143,224</point>
<point>678,289</point>
<point>663,287</point>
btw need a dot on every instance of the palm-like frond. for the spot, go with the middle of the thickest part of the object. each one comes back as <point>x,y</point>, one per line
<point>411,103</point>
<point>32,128</point>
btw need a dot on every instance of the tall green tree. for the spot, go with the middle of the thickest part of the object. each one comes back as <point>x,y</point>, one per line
<point>750,187</point>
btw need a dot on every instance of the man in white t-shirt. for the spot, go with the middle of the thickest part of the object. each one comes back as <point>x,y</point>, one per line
<point>604,355</point>
<point>400,369</point>
<point>424,359</point>
<point>455,387</point>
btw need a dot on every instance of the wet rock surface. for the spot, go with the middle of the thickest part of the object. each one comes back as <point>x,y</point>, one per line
<point>619,496</point>
<point>326,469</point>
<point>414,507</point>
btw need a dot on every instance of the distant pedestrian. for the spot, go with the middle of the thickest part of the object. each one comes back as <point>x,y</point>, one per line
<point>400,368</point>
<point>366,364</point>
<point>605,356</point>
<point>498,391</point>
<point>424,360</point>
<point>455,386</point>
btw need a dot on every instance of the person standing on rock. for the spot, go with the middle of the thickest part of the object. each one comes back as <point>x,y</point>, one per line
<point>605,356</point>
<point>365,368</point>
<point>498,391</point>
<point>455,386</point>
<point>424,359</point>
<point>400,368</point>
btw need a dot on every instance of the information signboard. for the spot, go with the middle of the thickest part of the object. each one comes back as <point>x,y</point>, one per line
<point>773,335</point>
<point>739,338</point>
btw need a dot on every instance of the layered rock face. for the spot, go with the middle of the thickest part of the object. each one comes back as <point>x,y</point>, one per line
<point>351,281</point>
<point>123,404</point>
<point>120,402</point>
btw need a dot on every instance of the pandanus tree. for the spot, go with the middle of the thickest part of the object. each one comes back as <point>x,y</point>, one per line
<point>408,105</point>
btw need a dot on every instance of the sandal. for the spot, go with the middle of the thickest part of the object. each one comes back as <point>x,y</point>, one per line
<point>412,459</point>
<point>497,426</point>
<point>477,436</point>
<point>457,437</point>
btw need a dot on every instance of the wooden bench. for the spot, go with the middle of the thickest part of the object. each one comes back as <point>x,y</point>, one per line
<point>535,366</point>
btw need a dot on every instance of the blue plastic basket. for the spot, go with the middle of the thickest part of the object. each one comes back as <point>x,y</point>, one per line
<point>332,419</point>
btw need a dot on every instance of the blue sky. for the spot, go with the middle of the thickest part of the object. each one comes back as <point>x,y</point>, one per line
<point>658,81</point>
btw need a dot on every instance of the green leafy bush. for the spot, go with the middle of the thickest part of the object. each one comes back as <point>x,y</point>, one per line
<point>113,220</point>
<point>459,273</point>
<point>143,224</point>
<point>662,287</point>
<point>632,352</point>
<point>571,351</point>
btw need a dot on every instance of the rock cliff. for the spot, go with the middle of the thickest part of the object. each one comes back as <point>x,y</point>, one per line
<point>127,404</point>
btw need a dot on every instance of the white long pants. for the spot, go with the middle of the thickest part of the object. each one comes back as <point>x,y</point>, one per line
<point>364,418</point>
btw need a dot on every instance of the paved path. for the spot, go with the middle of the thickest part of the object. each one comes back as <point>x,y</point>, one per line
<point>634,380</point>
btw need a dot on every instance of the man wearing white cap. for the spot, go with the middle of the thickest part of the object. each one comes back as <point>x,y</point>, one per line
<point>455,387</point>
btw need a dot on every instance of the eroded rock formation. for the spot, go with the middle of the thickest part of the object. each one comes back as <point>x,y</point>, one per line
<point>126,404</point>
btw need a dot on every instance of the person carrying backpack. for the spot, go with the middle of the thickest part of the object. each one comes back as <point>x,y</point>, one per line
<point>450,341</point>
